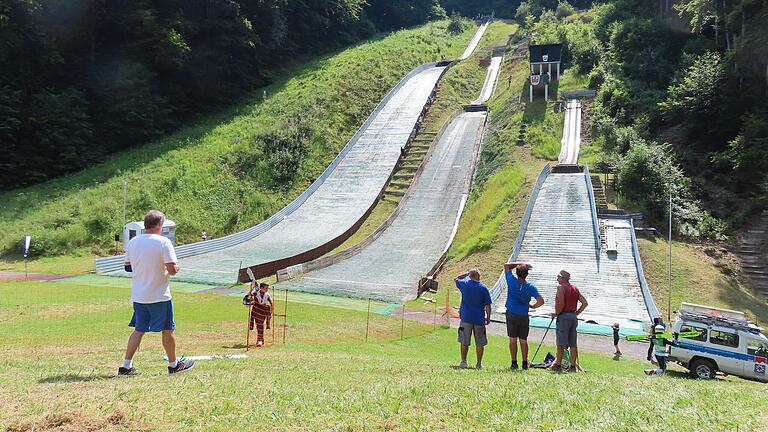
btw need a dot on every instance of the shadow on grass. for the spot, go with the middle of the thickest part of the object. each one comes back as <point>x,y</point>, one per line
<point>234,346</point>
<point>67,378</point>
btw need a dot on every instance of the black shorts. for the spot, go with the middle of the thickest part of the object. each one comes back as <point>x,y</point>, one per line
<point>517,326</point>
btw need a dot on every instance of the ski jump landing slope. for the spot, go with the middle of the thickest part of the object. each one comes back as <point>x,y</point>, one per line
<point>333,203</point>
<point>560,230</point>
<point>390,267</point>
<point>339,202</point>
<point>560,235</point>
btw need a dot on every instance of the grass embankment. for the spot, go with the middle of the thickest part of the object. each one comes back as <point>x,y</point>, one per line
<point>460,85</point>
<point>62,344</point>
<point>215,175</point>
<point>701,274</point>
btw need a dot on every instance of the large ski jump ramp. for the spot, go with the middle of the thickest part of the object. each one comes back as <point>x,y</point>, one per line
<point>390,267</point>
<point>339,202</point>
<point>331,206</point>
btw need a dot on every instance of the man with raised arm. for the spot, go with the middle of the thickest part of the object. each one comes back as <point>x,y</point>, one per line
<point>519,295</point>
<point>152,260</point>
<point>474,314</point>
<point>567,312</point>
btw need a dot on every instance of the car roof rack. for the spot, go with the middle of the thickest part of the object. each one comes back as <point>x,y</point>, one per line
<point>714,319</point>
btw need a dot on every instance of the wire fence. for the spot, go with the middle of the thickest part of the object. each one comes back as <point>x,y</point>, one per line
<point>74,317</point>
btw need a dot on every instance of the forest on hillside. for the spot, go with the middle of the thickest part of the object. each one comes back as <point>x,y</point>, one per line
<point>82,79</point>
<point>681,104</point>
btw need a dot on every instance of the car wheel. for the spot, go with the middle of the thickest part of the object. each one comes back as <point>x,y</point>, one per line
<point>703,368</point>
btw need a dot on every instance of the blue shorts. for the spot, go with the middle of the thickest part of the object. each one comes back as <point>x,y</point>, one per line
<point>153,317</point>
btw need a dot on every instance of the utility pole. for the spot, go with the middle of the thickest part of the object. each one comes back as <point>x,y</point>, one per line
<point>125,199</point>
<point>669,298</point>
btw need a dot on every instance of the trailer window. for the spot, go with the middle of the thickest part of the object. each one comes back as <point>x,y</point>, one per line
<point>756,348</point>
<point>689,328</point>
<point>724,338</point>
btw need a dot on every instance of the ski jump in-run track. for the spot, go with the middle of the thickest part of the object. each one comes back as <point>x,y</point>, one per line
<point>331,206</point>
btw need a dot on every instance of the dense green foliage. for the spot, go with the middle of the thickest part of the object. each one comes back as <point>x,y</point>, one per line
<point>699,93</point>
<point>231,171</point>
<point>84,78</point>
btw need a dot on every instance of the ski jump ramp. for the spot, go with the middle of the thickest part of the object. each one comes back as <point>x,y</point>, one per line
<point>562,233</point>
<point>343,198</point>
<point>571,142</point>
<point>333,206</point>
<point>390,267</point>
<point>561,230</point>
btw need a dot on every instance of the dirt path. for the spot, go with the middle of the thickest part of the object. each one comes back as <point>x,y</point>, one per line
<point>19,276</point>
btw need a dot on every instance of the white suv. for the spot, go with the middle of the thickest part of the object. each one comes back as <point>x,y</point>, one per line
<point>728,343</point>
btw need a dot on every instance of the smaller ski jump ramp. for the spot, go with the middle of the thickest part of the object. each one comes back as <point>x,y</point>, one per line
<point>570,145</point>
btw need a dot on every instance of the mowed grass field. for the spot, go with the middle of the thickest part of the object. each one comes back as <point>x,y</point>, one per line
<point>62,343</point>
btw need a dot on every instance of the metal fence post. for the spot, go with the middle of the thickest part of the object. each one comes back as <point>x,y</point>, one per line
<point>402,321</point>
<point>367,319</point>
<point>285,314</point>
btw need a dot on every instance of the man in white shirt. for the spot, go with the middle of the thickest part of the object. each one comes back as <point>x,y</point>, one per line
<point>152,260</point>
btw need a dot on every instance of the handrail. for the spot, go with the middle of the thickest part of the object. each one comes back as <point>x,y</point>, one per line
<point>593,207</point>
<point>501,283</point>
<point>650,305</point>
<point>114,263</point>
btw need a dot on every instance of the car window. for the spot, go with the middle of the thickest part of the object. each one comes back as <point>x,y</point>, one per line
<point>757,348</point>
<point>689,328</point>
<point>724,338</point>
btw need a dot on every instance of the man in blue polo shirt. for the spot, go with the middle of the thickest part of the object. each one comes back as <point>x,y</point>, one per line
<point>475,314</point>
<point>519,295</point>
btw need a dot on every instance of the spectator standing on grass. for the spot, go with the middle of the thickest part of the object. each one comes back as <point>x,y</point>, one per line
<point>567,312</point>
<point>203,236</point>
<point>615,328</point>
<point>657,321</point>
<point>660,350</point>
<point>152,260</point>
<point>519,295</point>
<point>261,310</point>
<point>474,315</point>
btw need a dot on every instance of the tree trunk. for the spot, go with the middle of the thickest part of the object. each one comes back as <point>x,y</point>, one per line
<point>727,34</point>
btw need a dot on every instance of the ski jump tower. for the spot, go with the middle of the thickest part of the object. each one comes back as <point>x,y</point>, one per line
<point>541,58</point>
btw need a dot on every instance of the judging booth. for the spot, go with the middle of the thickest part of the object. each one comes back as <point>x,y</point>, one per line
<point>542,59</point>
<point>132,229</point>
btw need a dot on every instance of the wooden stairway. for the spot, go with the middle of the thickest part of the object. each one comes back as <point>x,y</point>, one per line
<point>751,250</point>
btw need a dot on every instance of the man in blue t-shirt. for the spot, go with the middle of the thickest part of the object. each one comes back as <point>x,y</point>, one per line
<point>519,295</point>
<point>475,314</point>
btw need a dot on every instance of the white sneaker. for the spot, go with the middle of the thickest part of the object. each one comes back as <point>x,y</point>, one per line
<point>463,364</point>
